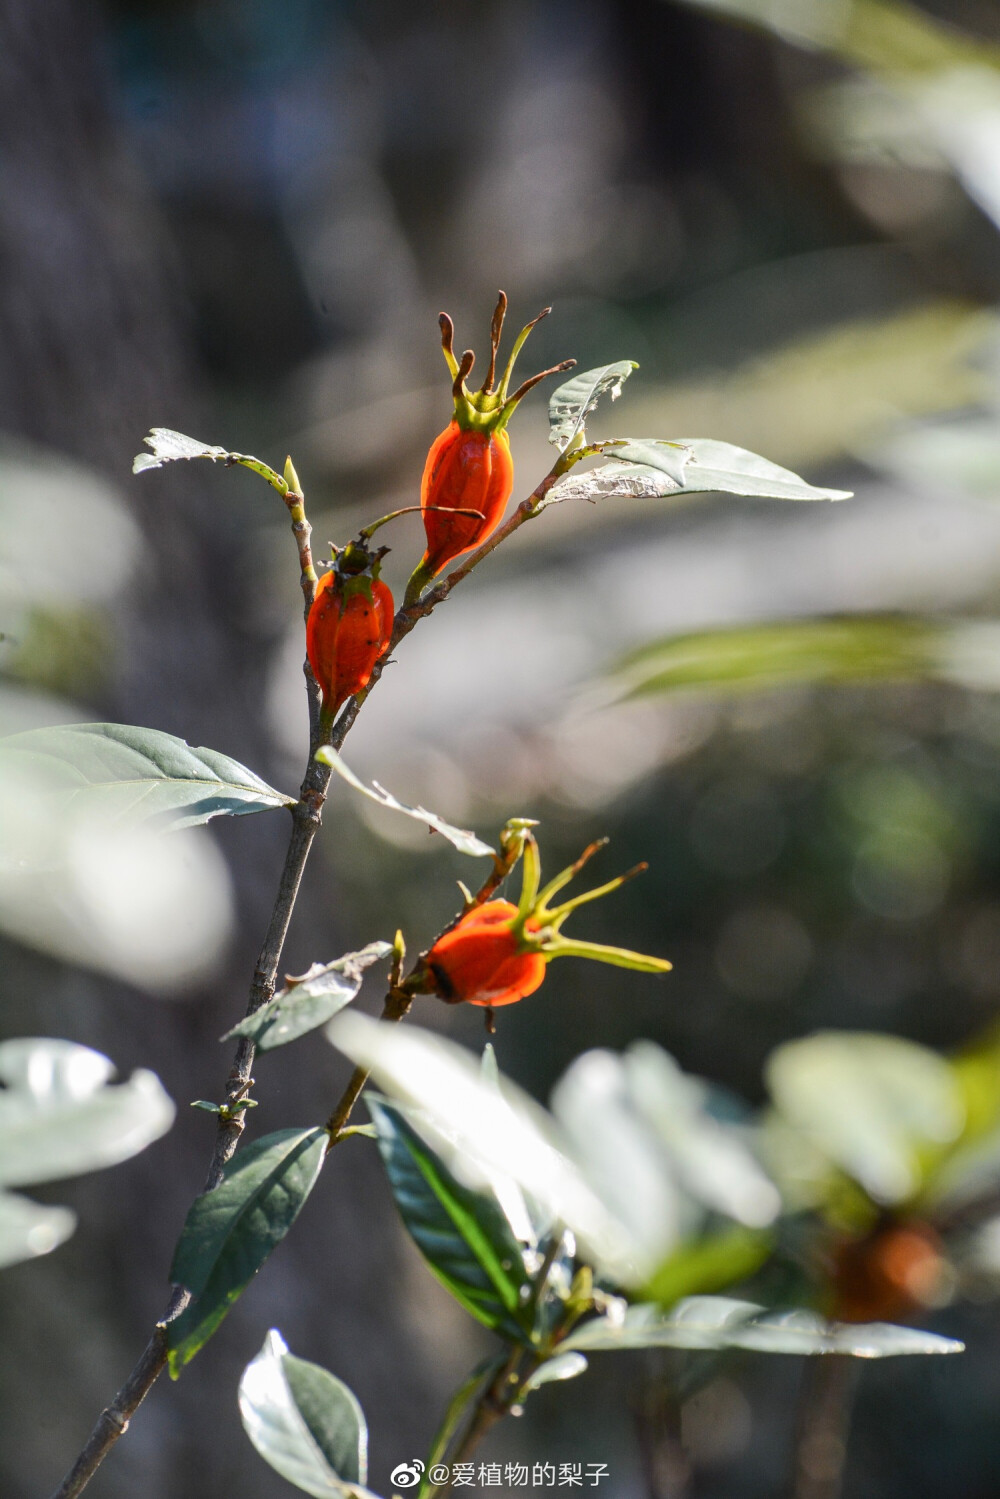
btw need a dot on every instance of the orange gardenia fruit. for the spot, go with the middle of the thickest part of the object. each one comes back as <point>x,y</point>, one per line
<point>479,961</point>
<point>466,469</point>
<point>345,636</point>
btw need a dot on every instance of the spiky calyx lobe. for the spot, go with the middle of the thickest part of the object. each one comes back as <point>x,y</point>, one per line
<point>480,961</point>
<point>348,627</point>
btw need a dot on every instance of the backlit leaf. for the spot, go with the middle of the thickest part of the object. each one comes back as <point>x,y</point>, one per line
<point>169,446</point>
<point>869,1103</point>
<point>572,403</point>
<point>125,774</point>
<point>27,1229</point>
<point>650,467</point>
<point>304,1422</point>
<point>717,1322</point>
<point>60,1115</point>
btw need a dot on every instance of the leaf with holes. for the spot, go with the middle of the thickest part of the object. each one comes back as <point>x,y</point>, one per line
<point>572,403</point>
<point>310,1000</point>
<point>464,841</point>
<point>169,446</point>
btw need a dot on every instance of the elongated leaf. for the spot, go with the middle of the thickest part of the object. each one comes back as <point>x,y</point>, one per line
<point>169,446</point>
<point>649,468</point>
<point>463,1235</point>
<point>719,466</point>
<point>789,652</point>
<point>305,1422</point>
<point>124,774</point>
<point>869,1103</point>
<point>716,1322</point>
<point>230,1232</point>
<point>59,1115</point>
<point>27,1229</point>
<point>572,403</point>
<point>310,1000</point>
<point>465,842</point>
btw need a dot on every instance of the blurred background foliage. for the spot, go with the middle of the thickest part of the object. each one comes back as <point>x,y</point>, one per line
<point>241,218</point>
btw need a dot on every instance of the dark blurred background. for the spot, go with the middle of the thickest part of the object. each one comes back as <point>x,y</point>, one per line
<point>241,219</point>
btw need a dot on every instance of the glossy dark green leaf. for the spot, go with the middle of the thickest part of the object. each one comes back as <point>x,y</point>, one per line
<point>309,1000</point>
<point>305,1422</point>
<point>230,1232</point>
<point>123,774</point>
<point>464,1235</point>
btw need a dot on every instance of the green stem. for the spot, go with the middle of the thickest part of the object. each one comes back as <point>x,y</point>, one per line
<point>454,1412</point>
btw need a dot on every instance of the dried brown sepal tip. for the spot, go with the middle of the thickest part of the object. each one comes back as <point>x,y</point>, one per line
<point>496,329</point>
<point>462,373</point>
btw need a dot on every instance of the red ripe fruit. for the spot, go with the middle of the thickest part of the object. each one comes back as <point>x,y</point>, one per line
<point>466,469</point>
<point>469,466</point>
<point>348,629</point>
<point>478,961</point>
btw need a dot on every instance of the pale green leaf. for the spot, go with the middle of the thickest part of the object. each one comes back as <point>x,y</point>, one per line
<point>572,403</point>
<point>790,652</point>
<point>870,1103</point>
<point>126,774</point>
<point>60,1115</point>
<point>649,467</point>
<point>309,1000</point>
<point>27,1229</point>
<point>464,841</point>
<point>563,1366</point>
<point>304,1422</point>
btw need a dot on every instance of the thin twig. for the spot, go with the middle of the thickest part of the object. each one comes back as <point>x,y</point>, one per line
<point>306,820</point>
<point>495,1402</point>
<point>825,1415</point>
